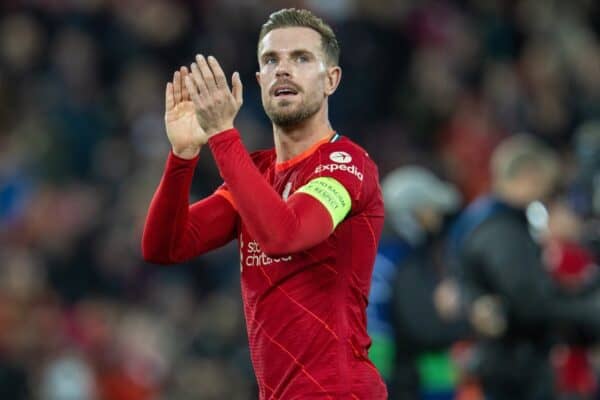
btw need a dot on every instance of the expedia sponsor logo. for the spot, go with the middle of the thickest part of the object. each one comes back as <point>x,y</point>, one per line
<point>256,258</point>
<point>340,157</point>
<point>340,167</point>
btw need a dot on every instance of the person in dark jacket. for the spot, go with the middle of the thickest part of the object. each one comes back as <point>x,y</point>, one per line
<point>510,298</point>
<point>410,339</point>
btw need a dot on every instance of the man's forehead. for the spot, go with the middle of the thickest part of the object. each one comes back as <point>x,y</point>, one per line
<point>290,39</point>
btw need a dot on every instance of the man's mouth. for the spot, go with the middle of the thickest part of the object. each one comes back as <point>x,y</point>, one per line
<point>284,91</point>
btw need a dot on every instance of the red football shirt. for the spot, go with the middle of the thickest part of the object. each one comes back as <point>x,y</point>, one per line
<point>305,312</point>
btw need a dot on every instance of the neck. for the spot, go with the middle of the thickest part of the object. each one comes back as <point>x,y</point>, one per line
<point>291,141</point>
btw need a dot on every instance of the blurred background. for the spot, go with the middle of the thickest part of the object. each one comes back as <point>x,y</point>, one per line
<point>434,84</point>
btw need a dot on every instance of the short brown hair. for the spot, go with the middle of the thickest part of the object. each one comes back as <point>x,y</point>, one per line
<point>292,17</point>
<point>522,151</point>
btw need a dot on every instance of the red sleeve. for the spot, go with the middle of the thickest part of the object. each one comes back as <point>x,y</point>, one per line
<point>347,164</point>
<point>278,226</point>
<point>174,230</point>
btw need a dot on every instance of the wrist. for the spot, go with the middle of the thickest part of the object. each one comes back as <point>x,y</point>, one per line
<point>187,153</point>
<point>223,137</point>
<point>218,130</point>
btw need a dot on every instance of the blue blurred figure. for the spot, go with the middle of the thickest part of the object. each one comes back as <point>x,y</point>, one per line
<point>410,339</point>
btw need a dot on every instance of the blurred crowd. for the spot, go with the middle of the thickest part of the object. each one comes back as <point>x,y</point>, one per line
<point>437,84</point>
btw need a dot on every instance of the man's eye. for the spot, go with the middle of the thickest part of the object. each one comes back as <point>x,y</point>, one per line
<point>270,60</point>
<point>302,58</point>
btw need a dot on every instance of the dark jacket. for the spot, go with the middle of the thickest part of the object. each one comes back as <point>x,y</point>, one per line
<point>417,326</point>
<point>499,256</point>
<point>496,254</point>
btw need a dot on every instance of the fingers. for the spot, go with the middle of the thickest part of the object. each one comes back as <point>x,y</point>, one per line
<point>169,99</point>
<point>206,85</point>
<point>193,91</point>
<point>177,87</point>
<point>176,92</point>
<point>207,74</point>
<point>185,94</point>
<point>236,84</point>
<point>218,73</point>
<point>198,79</point>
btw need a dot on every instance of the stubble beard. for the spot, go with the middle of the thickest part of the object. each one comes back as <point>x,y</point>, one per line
<point>284,118</point>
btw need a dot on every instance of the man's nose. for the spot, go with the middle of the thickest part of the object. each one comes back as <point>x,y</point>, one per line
<point>283,69</point>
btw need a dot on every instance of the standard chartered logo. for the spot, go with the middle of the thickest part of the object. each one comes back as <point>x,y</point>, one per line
<point>255,257</point>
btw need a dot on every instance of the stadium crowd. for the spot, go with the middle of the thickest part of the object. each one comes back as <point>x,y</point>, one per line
<point>82,146</point>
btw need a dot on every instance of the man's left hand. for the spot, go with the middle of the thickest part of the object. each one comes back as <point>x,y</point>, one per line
<point>216,105</point>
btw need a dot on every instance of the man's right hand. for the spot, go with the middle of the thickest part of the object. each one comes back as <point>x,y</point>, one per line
<point>183,130</point>
<point>488,316</point>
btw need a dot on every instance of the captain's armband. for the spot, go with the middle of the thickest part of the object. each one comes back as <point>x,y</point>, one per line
<point>332,194</point>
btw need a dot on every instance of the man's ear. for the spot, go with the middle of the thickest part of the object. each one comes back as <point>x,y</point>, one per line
<point>334,76</point>
<point>258,78</point>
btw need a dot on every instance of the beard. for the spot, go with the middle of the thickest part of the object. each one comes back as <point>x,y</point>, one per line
<point>280,115</point>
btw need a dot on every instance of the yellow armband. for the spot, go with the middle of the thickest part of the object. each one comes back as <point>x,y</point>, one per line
<point>332,194</point>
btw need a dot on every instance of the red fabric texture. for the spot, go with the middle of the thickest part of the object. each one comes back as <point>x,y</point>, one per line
<point>571,265</point>
<point>575,372</point>
<point>304,287</point>
<point>280,227</point>
<point>175,231</point>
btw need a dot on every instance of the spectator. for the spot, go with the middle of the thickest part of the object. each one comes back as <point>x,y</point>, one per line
<point>572,266</point>
<point>409,337</point>
<point>509,296</point>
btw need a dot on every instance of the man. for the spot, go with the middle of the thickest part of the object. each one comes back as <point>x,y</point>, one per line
<point>511,300</point>
<point>410,337</point>
<point>307,214</point>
